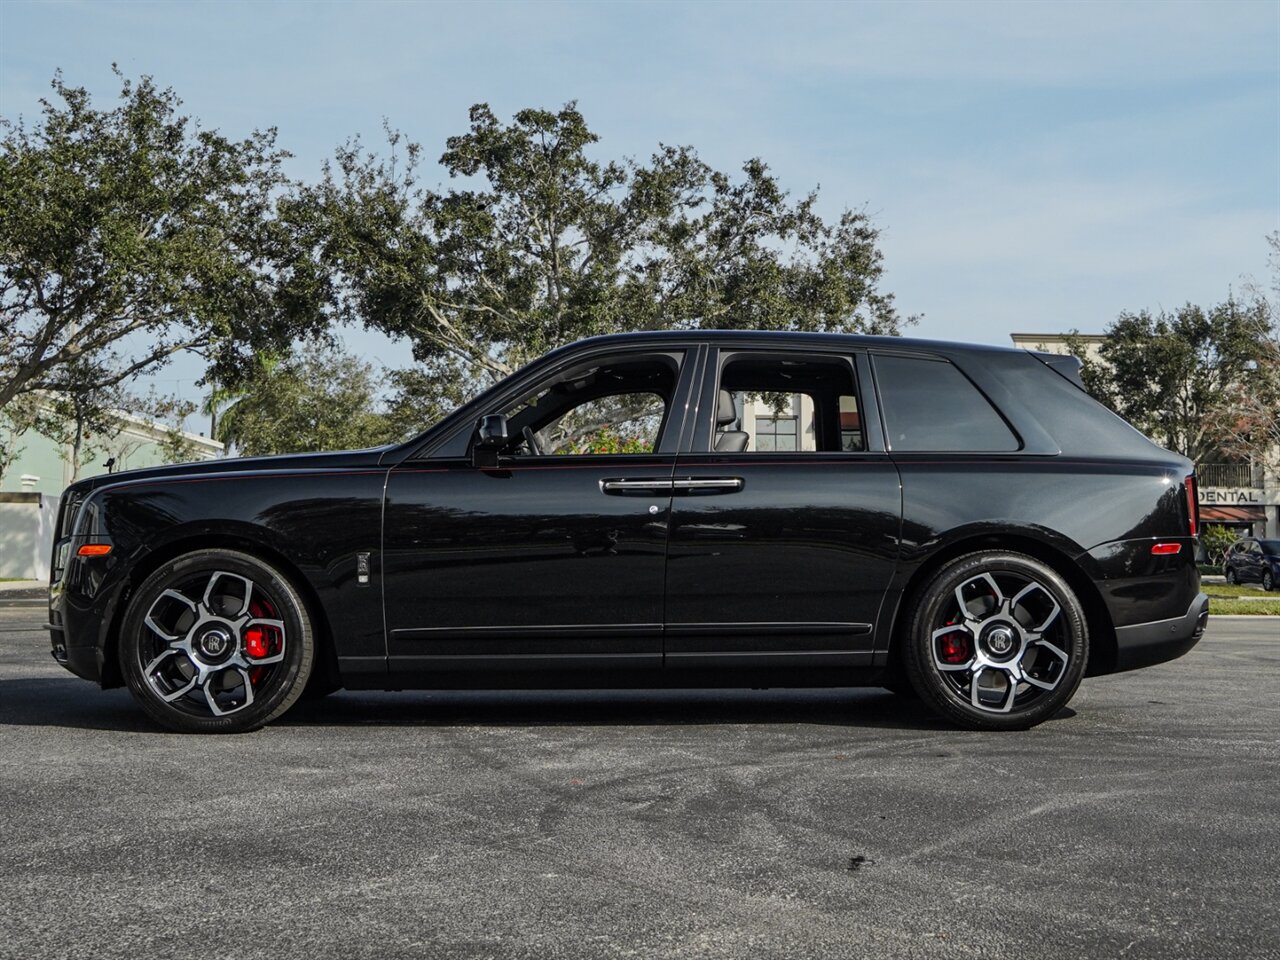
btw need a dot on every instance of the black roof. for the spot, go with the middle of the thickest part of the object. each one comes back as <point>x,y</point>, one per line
<point>783,336</point>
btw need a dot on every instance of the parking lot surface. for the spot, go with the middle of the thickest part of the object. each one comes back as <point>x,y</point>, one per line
<point>1142,822</point>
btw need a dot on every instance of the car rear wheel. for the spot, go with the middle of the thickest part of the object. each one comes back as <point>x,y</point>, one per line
<point>1268,581</point>
<point>216,641</point>
<point>997,641</point>
<point>1230,575</point>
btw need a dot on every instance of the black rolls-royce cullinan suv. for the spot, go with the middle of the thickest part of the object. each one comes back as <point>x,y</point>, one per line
<point>688,509</point>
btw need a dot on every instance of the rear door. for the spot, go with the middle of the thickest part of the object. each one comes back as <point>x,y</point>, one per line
<point>1252,561</point>
<point>785,516</point>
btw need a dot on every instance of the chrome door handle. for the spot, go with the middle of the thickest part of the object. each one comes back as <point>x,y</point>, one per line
<point>710,484</point>
<point>635,486</point>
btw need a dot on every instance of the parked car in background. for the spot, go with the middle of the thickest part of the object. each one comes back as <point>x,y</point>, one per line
<point>1253,561</point>
<point>964,522</point>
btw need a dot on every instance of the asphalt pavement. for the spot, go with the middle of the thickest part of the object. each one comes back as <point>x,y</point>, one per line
<point>1143,821</point>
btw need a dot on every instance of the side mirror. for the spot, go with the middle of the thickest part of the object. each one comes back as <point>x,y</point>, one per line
<point>491,436</point>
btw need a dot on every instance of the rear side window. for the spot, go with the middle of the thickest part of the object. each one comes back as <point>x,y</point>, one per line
<point>929,405</point>
<point>787,403</point>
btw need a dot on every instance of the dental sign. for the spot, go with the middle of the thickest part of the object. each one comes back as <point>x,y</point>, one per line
<point>1239,496</point>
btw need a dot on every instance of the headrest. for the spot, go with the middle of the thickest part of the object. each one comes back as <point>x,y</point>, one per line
<point>726,412</point>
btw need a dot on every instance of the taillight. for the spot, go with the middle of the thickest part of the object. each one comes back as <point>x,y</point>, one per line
<point>1193,505</point>
<point>1165,549</point>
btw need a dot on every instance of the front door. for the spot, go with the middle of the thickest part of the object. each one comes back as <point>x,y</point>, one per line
<point>553,560</point>
<point>785,519</point>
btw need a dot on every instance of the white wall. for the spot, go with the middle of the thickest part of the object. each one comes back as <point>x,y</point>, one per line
<point>26,535</point>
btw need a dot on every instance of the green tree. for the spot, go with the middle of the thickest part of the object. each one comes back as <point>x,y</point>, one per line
<point>15,420</point>
<point>1167,372</point>
<point>541,243</point>
<point>172,411</point>
<point>130,234</point>
<point>417,400</point>
<point>1246,420</point>
<point>84,419</point>
<point>317,399</point>
<point>1216,540</point>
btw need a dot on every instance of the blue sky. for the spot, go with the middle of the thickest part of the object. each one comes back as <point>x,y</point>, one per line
<point>1033,166</point>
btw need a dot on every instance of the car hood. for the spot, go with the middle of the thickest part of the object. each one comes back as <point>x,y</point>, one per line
<point>337,460</point>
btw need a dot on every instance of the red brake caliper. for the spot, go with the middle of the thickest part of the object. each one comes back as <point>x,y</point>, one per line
<point>954,646</point>
<point>258,641</point>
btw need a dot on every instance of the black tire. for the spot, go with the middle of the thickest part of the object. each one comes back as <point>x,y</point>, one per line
<point>221,630</point>
<point>986,641</point>
<point>1230,575</point>
<point>1268,581</point>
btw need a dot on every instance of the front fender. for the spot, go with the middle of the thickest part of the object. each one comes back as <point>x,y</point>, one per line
<point>316,526</point>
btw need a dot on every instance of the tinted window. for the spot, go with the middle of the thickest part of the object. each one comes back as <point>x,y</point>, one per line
<point>1271,547</point>
<point>1078,423</point>
<point>930,405</point>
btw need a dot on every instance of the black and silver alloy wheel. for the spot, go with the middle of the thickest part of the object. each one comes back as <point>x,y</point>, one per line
<point>997,641</point>
<point>216,640</point>
<point>1230,576</point>
<point>1268,581</point>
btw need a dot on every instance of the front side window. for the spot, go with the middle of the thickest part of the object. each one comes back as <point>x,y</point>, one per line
<point>615,405</point>
<point>786,403</point>
<point>930,406</point>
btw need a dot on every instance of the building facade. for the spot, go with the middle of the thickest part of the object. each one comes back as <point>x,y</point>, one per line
<point>34,481</point>
<point>45,466</point>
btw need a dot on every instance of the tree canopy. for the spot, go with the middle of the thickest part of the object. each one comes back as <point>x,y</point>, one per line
<point>1246,419</point>
<point>129,234</point>
<point>539,243</point>
<point>315,399</point>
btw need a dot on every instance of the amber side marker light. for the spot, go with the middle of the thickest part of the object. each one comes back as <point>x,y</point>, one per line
<point>94,550</point>
<point>1161,549</point>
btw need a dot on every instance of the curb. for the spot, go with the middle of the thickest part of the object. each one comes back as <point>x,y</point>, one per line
<point>22,591</point>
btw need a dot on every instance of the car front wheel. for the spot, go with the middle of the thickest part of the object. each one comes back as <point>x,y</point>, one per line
<point>1230,575</point>
<point>1268,581</point>
<point>216,641</point>
<point>997,641</point>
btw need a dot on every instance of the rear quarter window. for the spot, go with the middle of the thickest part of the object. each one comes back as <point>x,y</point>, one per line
<point>1079,424</point>
<point>929,405</point>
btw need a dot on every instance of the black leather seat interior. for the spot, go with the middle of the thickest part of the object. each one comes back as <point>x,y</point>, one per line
<point>729,441</point>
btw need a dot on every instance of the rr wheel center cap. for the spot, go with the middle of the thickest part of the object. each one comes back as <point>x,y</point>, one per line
<point>1000,641</point>
<point>215,644</point>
